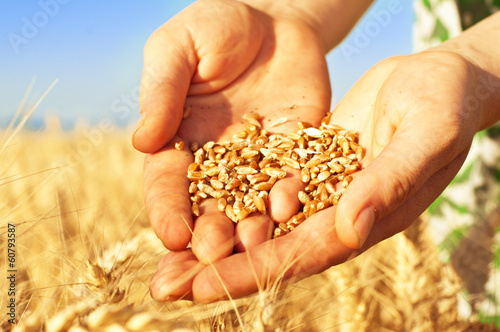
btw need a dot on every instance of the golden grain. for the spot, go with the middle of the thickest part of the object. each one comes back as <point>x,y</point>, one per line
<point>351,169</point>
<point>230,212</point>
<point>179,145</point>
<point>304,197</point>
<point>305,176</point>
<point>246,170</point>
<point>283,226</point>
<point>241,135</point>
<point>273,171</point>
<point>234,183</point>
<point>336,167</point>
<point>303,125</point>
<point>266,186</point>
<point>242,214</point>
<point>279,121</point>
<point>220,193</point>
<point>187,112</point>
<point>259,204</point>
<point>346,181</point>
<point>309,188</point>
<point>216,184</point>
<point>256,178</point>
<point>272,180</point>
<point>192,188</point>
<point>290,162</point>
<point>195,209</point>
<point>323,176</point>
<point>195,176</point>
<point>323,204</point>
<point>254,122</point>
<point>241,172</point>
<point>219,149</point>
<point>313,132</point>
<point>251,115</point>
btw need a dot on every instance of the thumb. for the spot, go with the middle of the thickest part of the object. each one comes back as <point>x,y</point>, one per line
<point>169,64</point>
<point>387,182</point>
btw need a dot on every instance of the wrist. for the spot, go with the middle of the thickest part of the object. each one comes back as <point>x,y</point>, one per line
<point>478,47</point>
<point>330,20</point>
<point>482,100</point>
<point>285,11</point>
<point>455,83</point>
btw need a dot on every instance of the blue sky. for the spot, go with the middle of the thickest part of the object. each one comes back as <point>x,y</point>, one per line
<point>95,49</point>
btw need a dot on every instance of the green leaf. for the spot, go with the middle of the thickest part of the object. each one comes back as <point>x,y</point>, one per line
<point>462,175</point>
<point>486,319</point>
<point>481,134</point>
<point>440,31</point>
<point>496,257</point>
<point>450,243</point>
<point>496,252</point>
<point>459,208</point>
<point>493,132</point>
<point>427,4</point>
<point>435,207</point>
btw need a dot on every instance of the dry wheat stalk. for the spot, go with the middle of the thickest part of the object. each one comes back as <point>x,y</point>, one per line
<point>59,289</point>
<point>361,295</point>
<point>240,173</point>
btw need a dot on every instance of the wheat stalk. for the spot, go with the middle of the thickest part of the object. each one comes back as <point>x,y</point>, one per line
<point>80,269</point>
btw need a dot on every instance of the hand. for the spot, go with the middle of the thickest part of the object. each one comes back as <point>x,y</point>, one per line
<point>416,125</point>
<point>221,59</point>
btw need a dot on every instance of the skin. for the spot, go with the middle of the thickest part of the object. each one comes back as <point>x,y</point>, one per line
<point>227,77</point>
<point>221,71</point>
<point>416,116</point>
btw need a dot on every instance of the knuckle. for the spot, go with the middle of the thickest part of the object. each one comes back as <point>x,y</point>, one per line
<point>401,188</point>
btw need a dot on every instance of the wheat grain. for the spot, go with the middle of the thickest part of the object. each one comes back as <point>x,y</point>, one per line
<point>251,162</point>
<point>187,112</point>
<point>179,145</point>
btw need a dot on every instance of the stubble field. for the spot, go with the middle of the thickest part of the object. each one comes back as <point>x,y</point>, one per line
<point>84,255</point>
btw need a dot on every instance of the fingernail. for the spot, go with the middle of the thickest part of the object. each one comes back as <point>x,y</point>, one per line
<point>363,224</point>
<point>164,294</point>
<point>172,298</point>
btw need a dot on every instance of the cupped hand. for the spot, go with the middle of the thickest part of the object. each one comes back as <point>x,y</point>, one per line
<point>416,125</point>
<point>219,59</point>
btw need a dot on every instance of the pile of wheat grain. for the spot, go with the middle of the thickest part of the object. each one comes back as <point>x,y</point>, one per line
<point>85,254</point>
<point>240,172</point>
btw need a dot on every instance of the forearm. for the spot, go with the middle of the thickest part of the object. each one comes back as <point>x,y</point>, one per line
<point>479,45</point>
<point>331,19</point>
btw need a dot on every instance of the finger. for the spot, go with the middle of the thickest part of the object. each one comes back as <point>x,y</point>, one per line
<point>402,217</point>
<point>352,111</point>
<point>169,64</point>
<point>405,164</point>
<point>252,231</point>
<point>174,279</point>
<point>175,257</point>
<point>397,172</point>
<point>310,248</point>
<point>224,53</point>
<point>166,196</point>
<point>213,237</point>
<point>283,200</point>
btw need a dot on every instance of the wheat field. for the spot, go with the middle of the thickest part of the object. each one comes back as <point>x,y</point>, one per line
<point>85,254</point>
